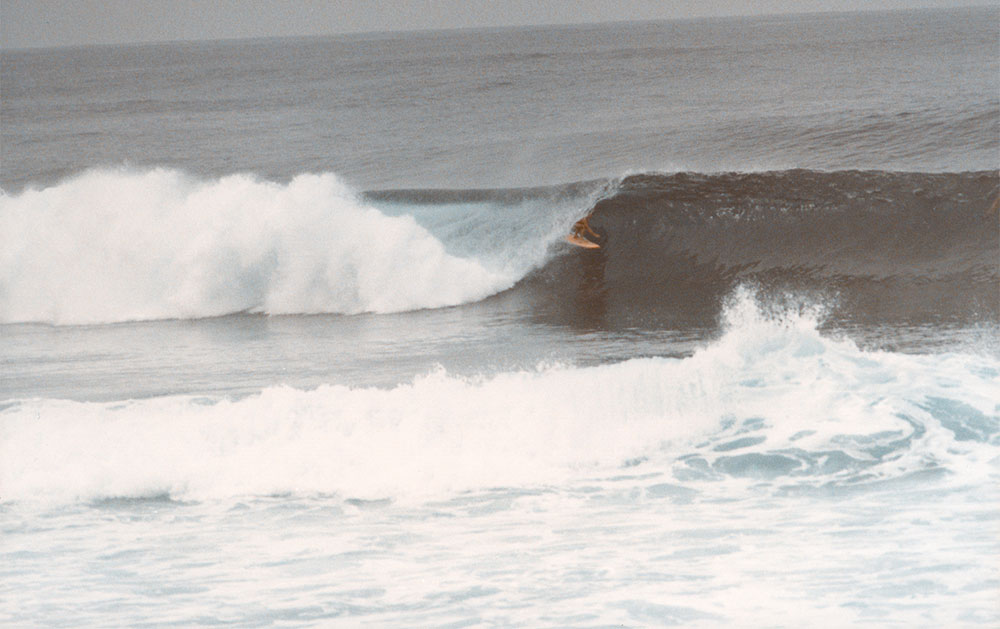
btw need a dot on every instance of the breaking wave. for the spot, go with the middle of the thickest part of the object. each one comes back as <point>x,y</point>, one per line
<point>771,400</point>
<point>879,246</point>
<point>112,246</point>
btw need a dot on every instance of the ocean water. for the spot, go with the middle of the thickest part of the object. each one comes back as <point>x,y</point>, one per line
<point>290,334</point>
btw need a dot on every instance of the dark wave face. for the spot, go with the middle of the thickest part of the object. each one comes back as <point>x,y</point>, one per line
<point>874,246</point>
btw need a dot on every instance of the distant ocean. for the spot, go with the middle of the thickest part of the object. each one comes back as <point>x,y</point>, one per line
<point>290,334</point>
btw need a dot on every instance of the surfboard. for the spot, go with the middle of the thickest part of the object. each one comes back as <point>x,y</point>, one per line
<point>580,241</point>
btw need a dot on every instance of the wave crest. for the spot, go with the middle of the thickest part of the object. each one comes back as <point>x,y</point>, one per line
<point>117,245</point>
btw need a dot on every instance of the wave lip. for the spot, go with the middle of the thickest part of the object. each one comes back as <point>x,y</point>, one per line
<point>116,245</point>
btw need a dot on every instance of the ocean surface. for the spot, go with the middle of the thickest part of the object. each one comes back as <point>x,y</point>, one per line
<point>290,334</point>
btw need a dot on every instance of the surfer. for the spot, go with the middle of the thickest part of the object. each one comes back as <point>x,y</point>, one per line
<point>582,227</point>
<point>578,237</point>
<point>578,234</point>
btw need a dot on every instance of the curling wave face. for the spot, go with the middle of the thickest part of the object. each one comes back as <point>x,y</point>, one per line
<point>879,246</point>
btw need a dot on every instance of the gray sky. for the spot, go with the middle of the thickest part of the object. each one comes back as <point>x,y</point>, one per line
<point>33,23</point>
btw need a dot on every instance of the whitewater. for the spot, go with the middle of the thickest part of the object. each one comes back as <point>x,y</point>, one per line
<point>486,497</point>
<point>290,333</point>
<point>847,416</point>
<point>83,251</point>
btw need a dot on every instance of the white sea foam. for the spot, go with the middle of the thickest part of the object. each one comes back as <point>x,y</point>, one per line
<point>770,391</point>
<point>118,245</point>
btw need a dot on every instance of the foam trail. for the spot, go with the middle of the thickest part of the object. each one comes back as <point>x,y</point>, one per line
<point>437,435</point>
<point>116,245</point>
<point>772,397</point>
